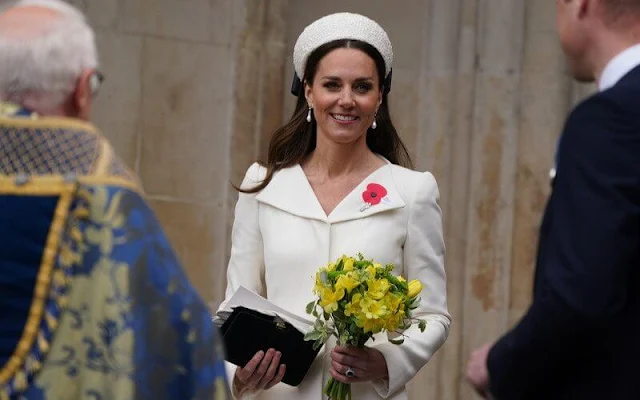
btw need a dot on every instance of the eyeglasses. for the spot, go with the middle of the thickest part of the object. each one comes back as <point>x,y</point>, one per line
<point>95,81</point>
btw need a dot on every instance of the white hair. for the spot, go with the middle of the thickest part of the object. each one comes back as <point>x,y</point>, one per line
<point>41,71</point>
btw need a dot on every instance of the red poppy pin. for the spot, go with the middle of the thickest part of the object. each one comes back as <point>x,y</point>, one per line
<point>374,194</point>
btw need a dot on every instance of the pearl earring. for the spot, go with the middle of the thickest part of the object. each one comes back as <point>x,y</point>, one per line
<point>375,124</point>
<point>309,115</point>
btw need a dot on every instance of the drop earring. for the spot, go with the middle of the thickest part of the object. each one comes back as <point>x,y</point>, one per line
<point>309,115</point>
<point>375,124</point>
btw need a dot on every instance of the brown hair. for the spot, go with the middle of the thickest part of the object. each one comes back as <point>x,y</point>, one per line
<point>293,142</point>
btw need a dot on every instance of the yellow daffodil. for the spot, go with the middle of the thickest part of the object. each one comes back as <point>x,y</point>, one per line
<point>353,307</point>
<point>394,322</point>
<point>378,288</point>
<point>393,302</point>
<point>347,263</point>
<point>415,287</point>
<point>401,278</point>
<point>347,282</point>
<point>373,325</point>
<point>372,308</point>
<point>329,299</point>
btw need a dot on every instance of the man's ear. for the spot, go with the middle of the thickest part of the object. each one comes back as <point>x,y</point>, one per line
<point>583,7</point>
<point>82,97</point>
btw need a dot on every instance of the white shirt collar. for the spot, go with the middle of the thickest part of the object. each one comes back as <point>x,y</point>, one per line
<point>619,66</point>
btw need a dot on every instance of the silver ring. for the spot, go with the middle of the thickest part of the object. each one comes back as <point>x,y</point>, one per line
<point>350,373</point>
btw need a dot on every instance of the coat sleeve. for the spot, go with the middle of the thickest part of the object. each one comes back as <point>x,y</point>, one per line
<point>424,260</point>
<point>589,245</point>
<point>246,263</point>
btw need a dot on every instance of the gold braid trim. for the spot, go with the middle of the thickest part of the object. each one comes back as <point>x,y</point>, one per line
<point>49,123</point>
<point>103,161</point>
<point>49,185</point>
<point>43,280</point>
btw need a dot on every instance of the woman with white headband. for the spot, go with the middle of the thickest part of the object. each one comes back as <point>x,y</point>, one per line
<point>337,182</point>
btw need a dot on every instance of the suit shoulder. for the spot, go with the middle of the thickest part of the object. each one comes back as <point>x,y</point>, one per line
<point>626,90</point>
<point>603,114</point>
<point>618,101</point>
<point>601,134</point>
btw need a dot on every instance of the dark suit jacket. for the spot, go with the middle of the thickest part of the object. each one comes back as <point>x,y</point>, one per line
<point>580,339</point>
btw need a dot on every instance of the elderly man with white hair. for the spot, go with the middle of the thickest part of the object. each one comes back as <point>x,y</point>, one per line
<point>93,302</point>
<point>49,59</point>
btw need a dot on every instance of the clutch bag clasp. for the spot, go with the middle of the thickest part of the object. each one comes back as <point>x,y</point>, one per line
<point>280,324</point>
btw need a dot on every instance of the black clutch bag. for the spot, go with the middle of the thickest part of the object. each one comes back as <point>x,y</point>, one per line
<point>247,331</point>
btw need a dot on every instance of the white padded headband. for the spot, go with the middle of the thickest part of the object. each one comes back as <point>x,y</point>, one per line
<point>341,26</point>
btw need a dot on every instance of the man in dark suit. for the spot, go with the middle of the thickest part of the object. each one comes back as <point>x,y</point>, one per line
<point>580,339</point>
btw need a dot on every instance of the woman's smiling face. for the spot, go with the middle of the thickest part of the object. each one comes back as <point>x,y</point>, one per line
<point>345,95</point>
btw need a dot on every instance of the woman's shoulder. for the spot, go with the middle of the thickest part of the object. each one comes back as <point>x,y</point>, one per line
<point>415,186</point>
<point>254,175</point>
<point>409,179</point>
<point>257,169</point>
<point>257,172</point>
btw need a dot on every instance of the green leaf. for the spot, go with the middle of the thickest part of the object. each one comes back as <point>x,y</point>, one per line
<point>317,344</point>
<point>313,335</point>
<point>344,337</point>
<point>324,278</point>
<point>422,325</point>
<point>311,306</point>
<point>399,340</point>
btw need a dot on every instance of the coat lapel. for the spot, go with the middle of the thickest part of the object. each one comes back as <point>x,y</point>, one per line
<point>290,191</point>
<point>375,194</point>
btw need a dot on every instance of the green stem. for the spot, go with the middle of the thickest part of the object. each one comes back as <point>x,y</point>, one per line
<point>331,389</point>
<point>327,387</point>
<point>337,390</point>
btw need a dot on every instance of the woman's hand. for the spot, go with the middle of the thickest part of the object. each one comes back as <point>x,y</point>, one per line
<point>262,372</point>
<point>367,363</point>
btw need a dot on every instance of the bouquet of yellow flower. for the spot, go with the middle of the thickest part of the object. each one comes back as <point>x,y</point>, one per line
<point>357,298</point>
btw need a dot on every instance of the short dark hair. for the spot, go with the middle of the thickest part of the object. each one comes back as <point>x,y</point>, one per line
<point>618,11</point>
